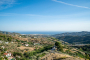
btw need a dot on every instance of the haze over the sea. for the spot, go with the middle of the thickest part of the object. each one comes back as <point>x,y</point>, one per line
<point>40,32</point>
<point>45,32</point>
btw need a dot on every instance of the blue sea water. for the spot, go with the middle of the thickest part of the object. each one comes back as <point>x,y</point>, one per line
<point>36,32</point>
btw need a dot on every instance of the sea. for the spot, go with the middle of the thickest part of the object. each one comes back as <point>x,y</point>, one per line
<point>40,32</point>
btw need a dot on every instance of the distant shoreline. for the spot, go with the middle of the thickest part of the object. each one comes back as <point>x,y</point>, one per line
<point>38,33</point>
<point>44,32</point>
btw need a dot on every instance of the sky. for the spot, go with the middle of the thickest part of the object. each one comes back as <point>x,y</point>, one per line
<point>45,15</point>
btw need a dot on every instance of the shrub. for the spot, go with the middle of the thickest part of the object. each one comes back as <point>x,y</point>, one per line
<point>18,46</point>
<point>59,46</point>
<point>64,57</point>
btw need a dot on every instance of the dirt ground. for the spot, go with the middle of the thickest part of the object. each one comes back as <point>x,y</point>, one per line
<point>23,47</point>
<point>52,56</point>
<point>58,56</point>
<point>73,58</point>
<point>9,58</point>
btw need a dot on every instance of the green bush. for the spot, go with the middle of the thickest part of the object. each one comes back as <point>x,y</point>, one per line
<point>59,46</point>
<point>18,46</point>
<point>43,54</point>
<point>19,54</point>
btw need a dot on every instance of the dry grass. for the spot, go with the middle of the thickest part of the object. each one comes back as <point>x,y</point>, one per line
<point>29,48</point>
<point>58,56</point>
<point>73,58</point>
<point>55,56</point>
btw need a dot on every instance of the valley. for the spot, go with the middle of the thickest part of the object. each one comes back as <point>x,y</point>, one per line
<point>42,47</point>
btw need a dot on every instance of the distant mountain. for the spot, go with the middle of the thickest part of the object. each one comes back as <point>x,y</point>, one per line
<point>5,32</point>
<point>73,34</point>
<point>75,37</point>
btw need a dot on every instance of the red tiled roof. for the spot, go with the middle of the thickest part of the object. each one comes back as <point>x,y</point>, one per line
<point>5,53</point>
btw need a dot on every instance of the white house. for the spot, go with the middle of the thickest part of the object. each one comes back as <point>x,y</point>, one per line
<point>26,44</point>
<point>6,42</point>
<point>35,37</point>
<point>11,42</point>
<point>3,47</point>
<point>0,41</point>
<point>7,54</point>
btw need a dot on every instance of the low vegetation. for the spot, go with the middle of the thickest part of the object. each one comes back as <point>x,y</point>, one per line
<point>39,47</point>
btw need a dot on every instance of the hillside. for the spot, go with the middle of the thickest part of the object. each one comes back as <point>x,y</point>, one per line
<point>72,34</point>
<point>75,39</point>
<point>6,32</point>
<point>37,47</point>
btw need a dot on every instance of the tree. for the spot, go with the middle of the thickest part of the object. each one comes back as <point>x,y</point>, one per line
<point>0,38</point>
<point>87,56</point>
<point>5,49</point>
<point>9,39</point>
<point>81,49</point>
<point>57,43</point>
<point>17,53</point>
<point>18,46</point>
<point>59,46</point>
<point>68,51</point>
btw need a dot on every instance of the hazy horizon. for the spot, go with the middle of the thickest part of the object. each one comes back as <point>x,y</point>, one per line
<point>44,32</point>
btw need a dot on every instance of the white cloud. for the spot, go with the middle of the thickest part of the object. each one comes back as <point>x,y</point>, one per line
<point>6,3</point>
<point>71,4</point>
